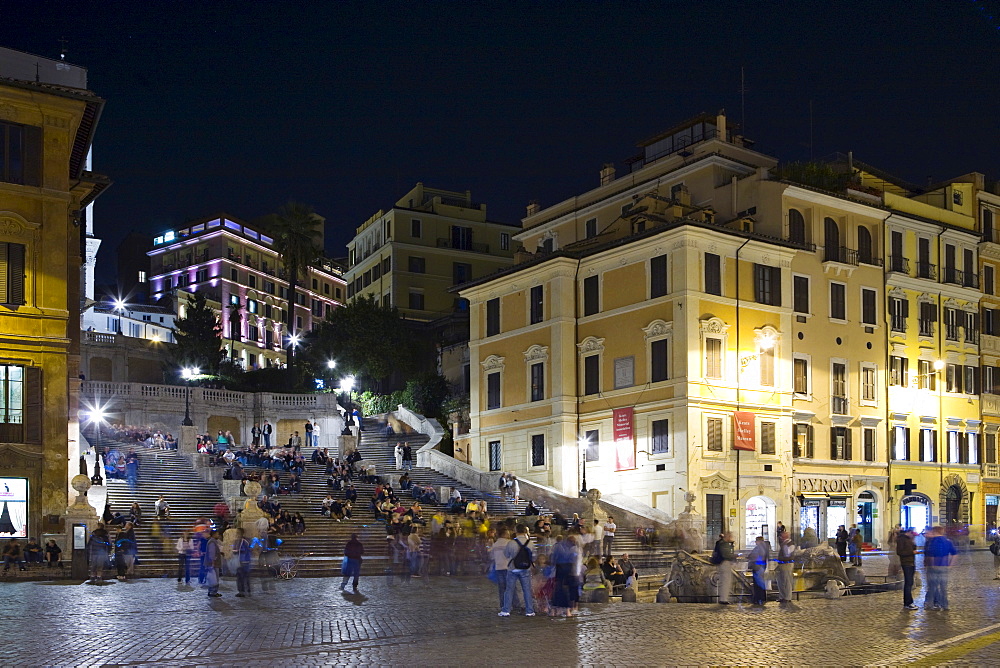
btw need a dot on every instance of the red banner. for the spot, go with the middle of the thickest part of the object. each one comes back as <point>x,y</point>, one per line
<point>743,431</point>
<point>624,439</point>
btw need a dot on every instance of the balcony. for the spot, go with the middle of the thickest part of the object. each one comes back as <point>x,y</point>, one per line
<point>967,279</point>
<point>991,471</point>
<point>927,270</point>
<point>469,246</point>
<point>926,327</point>
<point>899,265</point>
<point>897,323</point>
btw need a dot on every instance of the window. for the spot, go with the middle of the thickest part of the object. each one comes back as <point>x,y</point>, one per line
<point>767,285</point>
<point>12,273</point>
<point>269,287</point>
<point>593,440</point>
<point>868,383</point>
<point>415,230</point>
<point>927,318</point>
<point>376,273</point>
<point>800,294</point>
<point>953,378</point>
<point>661,432</point>
<point>537,381</point>
<point>864,245</point>
<point>658,361</point>
<point>461,272</point>
<point>315,285</point>
<point>417,301</point>
<point>591,374</point>
<point>991,321</point>
<point>971,327</point>
<point>802,440</point>
<point>949,264</point>
<point>991,448</point>
<point>972,447</point>
<point>928,445</point>
<point>831,240</point>
<point>796,227</point>
<point>767,438</point>
<point>713,357</point>
<point>838,301</point>
<point>11,395</point>
<point>538,449</point>
<point>142,276</point>
<point>504,241</point>
<point>954,448</point>
<point>417,265</point>
<point>713,274</point>
<point>234,274</point>
<point>20,154</point>
<point>899,311</point>
<point>496,460</point>
<point>838,380</point>
<point>590,228</point>
<point>386,265</point>
<point>234,300</point>
<point>251,306</point>
<point>926,375</point>
<point>801,375</point>
<point>901,443</point>
<point>493,317</point>
<point>657,276</point>
<point>840,443</point>
<point>899,370</point>
<point>868,438</point>
<point>868,306</point>
<point>951,324</point>
<point>713,435</point>
<point>200,276</point>
<point>253,334</point>
<point>988,231</point>
<point>461,237</point>
<point>537,304</point>
<point>988,279</point>
<point>591,296</point>
<point>766,356</point>
<point>493,390</point>
<point>972,380</point>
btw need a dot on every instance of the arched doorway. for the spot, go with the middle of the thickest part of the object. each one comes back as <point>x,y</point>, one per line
<point>758,520</point>
<point>831,240</point>
<point>865,515</point>
<point>953,504</point>
<point>915,512</point>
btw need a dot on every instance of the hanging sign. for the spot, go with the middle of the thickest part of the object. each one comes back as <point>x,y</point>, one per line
<point>624,439</point>
<point>743,430</point>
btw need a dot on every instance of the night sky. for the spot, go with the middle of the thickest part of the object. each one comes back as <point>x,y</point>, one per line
<point>238,107</point>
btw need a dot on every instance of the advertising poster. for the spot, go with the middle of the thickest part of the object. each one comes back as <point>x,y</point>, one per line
<point>743,431</point>
<point>624,439</point>
<point>13,508</point>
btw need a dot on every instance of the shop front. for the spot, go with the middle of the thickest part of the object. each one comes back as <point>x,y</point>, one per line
<point>824,505</point>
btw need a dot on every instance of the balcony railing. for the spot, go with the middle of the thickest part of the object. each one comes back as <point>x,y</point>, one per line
<point>991,470</point>
<point>897,323</point>
<point>899,264</point>
<point>926,327</point>
<point>470,246</point>
<point>840,254</point>
<point>927,270</point>
<point>966,279</point>
<point>839,405</point>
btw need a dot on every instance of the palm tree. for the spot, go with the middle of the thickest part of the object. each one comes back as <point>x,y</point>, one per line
<point>295,229</point>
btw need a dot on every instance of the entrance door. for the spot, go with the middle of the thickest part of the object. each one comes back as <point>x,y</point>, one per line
<point>915,513</point>
<point>759,520</point>
<point>713,517</point>
<point>865,518</point>
<point>992,501</point>
<point>952,505</point>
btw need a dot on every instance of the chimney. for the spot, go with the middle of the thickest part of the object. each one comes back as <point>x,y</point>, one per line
<point>533,207</point>
<point>607,173</point>
<point>720,124</point>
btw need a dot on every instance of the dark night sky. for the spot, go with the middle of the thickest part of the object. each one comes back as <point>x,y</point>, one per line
<point>240,106</point>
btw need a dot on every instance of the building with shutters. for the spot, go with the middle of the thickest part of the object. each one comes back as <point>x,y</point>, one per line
<point>238,268</point>
<point>46,131</point>
<point>823,317</point>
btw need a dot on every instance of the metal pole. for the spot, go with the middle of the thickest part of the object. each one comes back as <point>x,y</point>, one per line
<point>187,406</point>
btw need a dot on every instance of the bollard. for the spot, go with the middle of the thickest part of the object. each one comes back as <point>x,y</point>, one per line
<point>628,596</point>
<point>663,595</point>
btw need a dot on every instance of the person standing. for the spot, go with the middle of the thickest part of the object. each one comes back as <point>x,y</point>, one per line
<point>725,557</point>
<point>353,552</point>
<point>906,550</point>
<point>98,552</point>
<point>857,541</point>
<point>498,552</point>
<point>609,535</point>
<point>995,549</point>
<point>407,457</point>
<point>519,553</point>
<point>185,548</point>
<point>786,563</point>
<point>758,564</point>
<point>841,541</point>
<point>255,435</point>
<point>938,553</point>
<point>241,549</point>
<point>266,432</point>
<point>309,434</point>
<point>295,442</point>
<point>213,555</point>
<point>315,433</point>
<point>398,453</point>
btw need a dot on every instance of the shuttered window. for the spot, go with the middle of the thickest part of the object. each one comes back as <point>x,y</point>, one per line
<point>20,404</point>
<point>20,154</point>
<point>713,436</point>
<point>11,274</point>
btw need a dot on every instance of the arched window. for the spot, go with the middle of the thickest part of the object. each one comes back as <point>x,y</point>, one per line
<point>831,240</point>
<point>796,227</point>
<point>864,245</point>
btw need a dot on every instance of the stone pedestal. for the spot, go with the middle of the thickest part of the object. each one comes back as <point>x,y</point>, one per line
<point>348,444</point>
<point>187,443</point>
<point>250,513</point>
<point>80,512</point>
<point>594,510</point>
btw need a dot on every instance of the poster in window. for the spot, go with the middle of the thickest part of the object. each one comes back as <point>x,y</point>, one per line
<point>13,508</point>
<point>624,439</point>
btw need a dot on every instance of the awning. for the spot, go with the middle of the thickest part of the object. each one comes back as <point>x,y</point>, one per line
<point>814,495</point>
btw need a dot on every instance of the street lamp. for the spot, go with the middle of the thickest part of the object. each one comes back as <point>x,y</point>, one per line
<point>188,374</point>
<point>120,306</point>
<point>584,443</point>
<point>347,385</point>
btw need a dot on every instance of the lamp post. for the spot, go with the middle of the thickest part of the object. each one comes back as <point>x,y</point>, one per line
<point>584,443</point>
<point>119,306</point>
<point>188,374</point>
<point>347,385</point>
<point>331,365</point>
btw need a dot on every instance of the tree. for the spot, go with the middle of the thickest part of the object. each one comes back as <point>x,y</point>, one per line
<point>199,337</point>
<point>295,229</point>
<point>365,339</point>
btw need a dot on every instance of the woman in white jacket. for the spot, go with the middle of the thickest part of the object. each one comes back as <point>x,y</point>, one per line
<point>398,452</point>
<point>185,548</point>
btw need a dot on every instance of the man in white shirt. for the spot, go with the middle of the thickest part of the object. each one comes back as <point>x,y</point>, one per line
<point>498,552</point>
<point>609,535</point>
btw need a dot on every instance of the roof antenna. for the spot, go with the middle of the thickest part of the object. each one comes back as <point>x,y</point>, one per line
<point>810,130</point>
<point>743,102</point>
<point>62,48</point>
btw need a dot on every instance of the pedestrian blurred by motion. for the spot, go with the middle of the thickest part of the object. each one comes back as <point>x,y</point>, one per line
<point>938,554</point>
<point>758,564</point>
<point>841,541</point>
<point>906,550</point>
<point>213,559</point>
<point>498,553</point>
<point>353,552</point>
<point>724,557</point>
<point>786,563</point>
<point>241,549</point>
<point>995,549</point>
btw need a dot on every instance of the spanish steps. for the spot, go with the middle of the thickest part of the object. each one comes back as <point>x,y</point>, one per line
<point>169,473</point>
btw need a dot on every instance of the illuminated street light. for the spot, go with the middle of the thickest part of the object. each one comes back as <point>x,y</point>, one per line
<point>330,364</point>
<point>188,374</point>
<point>119,305</point>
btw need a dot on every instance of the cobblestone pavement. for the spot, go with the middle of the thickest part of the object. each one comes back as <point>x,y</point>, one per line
<point>445,622</point>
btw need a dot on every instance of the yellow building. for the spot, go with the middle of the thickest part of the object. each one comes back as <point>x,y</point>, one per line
<point>710,282</point>
<point>431,240</point>
<point>989,347</point>
<point>45,134</point>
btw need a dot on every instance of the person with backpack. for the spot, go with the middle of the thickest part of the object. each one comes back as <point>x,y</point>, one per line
<point>995,549</point>
<point>521,559</point>
<point>724,556</point>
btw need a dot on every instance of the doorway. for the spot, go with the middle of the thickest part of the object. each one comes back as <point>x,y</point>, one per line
<point>953,505</point>
<point>915,512</point>
<point>865,515</point>
<point>714,522</point>
<point>758,520</point>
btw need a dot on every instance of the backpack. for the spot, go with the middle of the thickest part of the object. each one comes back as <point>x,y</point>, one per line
<point>995,548</point>
<point>522,560</point>
<point>716,555</point>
